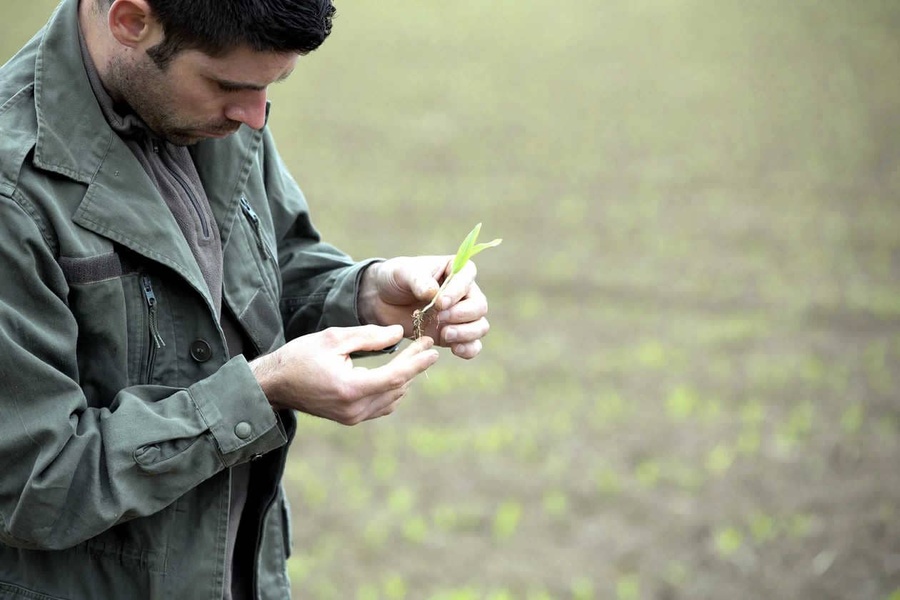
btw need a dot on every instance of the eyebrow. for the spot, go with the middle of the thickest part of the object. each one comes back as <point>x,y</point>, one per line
<point>238,86</point>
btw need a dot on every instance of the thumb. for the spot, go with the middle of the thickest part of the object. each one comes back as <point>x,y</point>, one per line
<point>370,338</point>
<point>425,287</point>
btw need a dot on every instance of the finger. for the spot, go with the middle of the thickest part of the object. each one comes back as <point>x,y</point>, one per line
<point>470,308</point>
<point>468,350</point>
<point>459,287</point>
<point>402,369</point>
<point>424,288</point>
<point>384,408</point>
<point>365,338</point>
<point>464,333</point>
<point>424,285</point>
<point>376,406</point>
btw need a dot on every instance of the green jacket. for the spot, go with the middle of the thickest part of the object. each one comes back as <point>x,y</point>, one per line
<point>120,413</point>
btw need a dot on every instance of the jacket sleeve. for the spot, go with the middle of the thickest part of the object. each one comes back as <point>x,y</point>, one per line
<point>71,471</point>
<point>320,283</point>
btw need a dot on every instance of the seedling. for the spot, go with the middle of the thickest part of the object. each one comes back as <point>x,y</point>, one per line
<point>467,250</point>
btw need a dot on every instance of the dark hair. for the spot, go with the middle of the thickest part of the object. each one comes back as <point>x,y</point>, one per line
<point>218,26</point>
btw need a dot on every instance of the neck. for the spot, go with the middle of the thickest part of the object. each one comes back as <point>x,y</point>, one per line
<point>92,20</point>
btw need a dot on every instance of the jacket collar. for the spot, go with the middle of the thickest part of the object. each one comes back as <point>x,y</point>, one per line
<point>72,137</point>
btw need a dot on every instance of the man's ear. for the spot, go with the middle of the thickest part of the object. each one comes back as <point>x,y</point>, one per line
<point>132,24</point>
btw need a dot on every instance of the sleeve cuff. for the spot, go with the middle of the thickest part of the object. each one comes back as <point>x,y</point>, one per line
<point>240,418</point>
<point>340,308</point>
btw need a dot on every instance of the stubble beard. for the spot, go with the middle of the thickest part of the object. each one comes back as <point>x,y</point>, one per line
<point>145,88</point>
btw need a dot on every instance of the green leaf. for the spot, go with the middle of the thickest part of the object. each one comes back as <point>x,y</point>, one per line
<point>479,247</point>
<point>506,519</point>
<point>462,255</point>
<point>469,248</point>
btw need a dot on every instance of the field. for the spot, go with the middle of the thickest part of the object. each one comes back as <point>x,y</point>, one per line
<point>690,388</point>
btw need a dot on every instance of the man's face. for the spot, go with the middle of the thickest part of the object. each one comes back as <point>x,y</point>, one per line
<point>197,96</point>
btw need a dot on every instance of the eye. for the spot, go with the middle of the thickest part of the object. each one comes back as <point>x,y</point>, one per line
<point>227,87</point>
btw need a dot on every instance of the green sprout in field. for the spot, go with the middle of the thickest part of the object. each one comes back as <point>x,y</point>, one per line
<point>467,250</point>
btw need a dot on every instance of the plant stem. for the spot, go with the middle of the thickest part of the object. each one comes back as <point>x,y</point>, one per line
<point>419,316</point>
<point>437,295</point>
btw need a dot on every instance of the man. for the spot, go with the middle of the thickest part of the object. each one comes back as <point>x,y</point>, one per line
<point>166,304</point>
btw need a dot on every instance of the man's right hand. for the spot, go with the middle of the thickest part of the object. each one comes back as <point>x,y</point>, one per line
<point>315,374</point>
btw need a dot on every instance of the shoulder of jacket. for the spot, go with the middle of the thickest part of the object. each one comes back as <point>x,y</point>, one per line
<point>18,124</point>
<point>18,116</point>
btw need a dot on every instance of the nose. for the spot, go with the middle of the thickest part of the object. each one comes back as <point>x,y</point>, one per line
<point>250,109</point>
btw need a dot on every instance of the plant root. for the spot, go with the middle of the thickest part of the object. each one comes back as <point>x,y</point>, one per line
<point>420,318</point>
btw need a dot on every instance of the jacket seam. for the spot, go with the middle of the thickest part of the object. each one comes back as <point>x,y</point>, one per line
<point>17,198</point>
<point>26,593</point>
<point>17,97</point>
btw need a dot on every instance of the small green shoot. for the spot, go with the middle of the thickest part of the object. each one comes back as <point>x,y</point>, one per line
<point>467,250</point>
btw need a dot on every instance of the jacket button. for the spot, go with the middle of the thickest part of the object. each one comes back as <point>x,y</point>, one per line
<point>200,351</point>
<point>243,430</point>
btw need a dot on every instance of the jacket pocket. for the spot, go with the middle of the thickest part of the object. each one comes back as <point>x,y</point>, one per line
<point>253,292</point>
<point>265,254</point>
<point>123,324</point>
<point>154,340</point>
<point>9,591</point>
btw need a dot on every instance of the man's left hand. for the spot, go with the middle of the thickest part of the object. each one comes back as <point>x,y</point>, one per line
<point>392,290</point>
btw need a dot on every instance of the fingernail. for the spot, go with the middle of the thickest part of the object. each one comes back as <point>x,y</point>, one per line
<point>450,335</point>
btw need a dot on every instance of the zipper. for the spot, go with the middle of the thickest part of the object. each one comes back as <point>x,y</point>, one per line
<point>155,338</point>
<point>254,223</point>
<point>201,217</point>
<point>151,306</point>
<point>204,224</point>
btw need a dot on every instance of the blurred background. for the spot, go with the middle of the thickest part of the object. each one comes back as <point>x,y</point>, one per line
<point>690,388</point>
